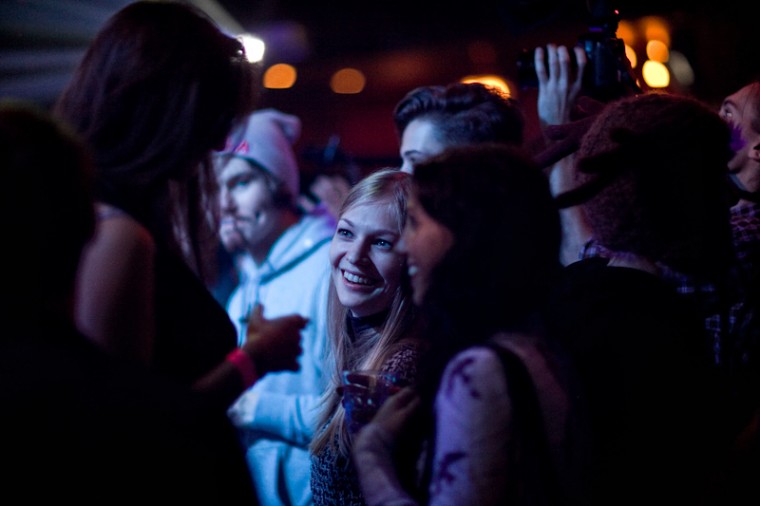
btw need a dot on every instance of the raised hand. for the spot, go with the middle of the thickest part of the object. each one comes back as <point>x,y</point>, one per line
<point>558,90</point>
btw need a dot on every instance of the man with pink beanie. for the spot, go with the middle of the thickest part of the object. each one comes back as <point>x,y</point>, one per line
<point>284,269</point>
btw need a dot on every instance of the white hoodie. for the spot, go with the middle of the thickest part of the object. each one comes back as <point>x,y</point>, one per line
<point>276,417</point>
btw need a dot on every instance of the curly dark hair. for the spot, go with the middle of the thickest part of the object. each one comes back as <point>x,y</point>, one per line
<point>664,195</point>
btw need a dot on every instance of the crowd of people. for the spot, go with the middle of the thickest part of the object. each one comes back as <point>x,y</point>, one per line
<point>569,322</point>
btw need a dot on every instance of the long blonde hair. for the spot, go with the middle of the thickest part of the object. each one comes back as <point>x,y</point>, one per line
<point>370,348</point>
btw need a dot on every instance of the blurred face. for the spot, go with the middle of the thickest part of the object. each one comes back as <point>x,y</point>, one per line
<point>738,111</point>
<point>419,142</point>
<point>249,218</point>
<point>425,242</point>
<point>366,271</point>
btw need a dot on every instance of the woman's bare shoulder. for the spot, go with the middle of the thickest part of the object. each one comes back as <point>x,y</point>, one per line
<point>120,233</point>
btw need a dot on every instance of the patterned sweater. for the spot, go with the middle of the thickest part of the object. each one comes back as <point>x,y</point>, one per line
<point>333,476</point>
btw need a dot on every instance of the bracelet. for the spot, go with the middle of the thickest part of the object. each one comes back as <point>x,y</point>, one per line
<point>244,364</point>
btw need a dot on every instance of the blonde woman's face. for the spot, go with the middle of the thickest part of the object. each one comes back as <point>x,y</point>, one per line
<point>366,270</point>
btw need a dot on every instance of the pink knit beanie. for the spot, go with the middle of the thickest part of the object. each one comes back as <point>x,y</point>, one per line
<point>266,139</point>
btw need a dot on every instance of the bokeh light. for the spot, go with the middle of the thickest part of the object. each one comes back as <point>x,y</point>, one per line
<point>658,51</point>
<point>656,28</point>
<point>254,47</point>
<point>348,81</point>
<point>630,53</point>
<point>655,74</point>
<point>681,68</point>
<point>280,76</point>
<point>627,32</point>
<point>491,80</point>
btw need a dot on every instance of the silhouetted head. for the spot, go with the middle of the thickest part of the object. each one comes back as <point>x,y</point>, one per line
<point>158,88</point>
<point>659,162</point>
<point>505,228</point>
<point>47,214</point>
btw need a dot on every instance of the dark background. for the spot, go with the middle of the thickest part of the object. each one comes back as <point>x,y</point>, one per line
<point>398,45</point>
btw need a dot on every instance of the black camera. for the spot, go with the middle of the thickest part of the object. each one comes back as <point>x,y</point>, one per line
<point>608,73</point>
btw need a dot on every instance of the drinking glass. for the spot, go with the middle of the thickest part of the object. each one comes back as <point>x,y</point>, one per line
<point>364,391</point>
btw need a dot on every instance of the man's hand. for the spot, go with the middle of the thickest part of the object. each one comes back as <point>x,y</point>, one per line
<point>557,93</point>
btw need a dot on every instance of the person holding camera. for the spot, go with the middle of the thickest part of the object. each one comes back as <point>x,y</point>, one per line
<point>651,182</point>
<point>572,89</point>
<point>559,91</point>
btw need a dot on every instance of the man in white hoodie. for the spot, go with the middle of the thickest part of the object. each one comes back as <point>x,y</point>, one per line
<point>282,256</point>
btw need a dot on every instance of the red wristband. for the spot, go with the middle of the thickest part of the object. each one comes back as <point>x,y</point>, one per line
<point>244,364</point>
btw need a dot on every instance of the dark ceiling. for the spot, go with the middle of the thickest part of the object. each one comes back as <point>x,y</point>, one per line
<point>341,27</point>
<point>718,38</point>
<point>397,44</point>
<point>352,27</point>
